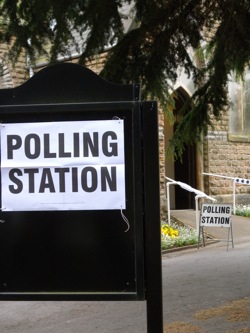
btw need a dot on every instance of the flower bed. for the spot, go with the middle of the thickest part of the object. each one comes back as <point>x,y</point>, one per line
<point>175,235</point>
<point>242,210</point>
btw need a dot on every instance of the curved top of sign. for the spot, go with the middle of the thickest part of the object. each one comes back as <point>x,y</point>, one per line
<point>68,83</point>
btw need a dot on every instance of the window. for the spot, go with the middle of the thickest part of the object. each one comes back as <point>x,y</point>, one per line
<point>239,114</point>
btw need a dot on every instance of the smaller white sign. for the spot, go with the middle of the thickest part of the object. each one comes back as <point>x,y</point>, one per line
<point>216,215</point>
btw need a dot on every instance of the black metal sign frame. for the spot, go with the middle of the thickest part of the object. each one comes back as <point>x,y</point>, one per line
<point>34,279</point>
<point>87,255</point>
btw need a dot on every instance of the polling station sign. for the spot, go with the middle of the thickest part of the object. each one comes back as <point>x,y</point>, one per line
<point>216,215</point>
<point>68,165</point>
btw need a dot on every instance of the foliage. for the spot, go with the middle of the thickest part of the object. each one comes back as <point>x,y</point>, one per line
<point>242,210</point>
<point>175,235</point>
<point>208,39</point>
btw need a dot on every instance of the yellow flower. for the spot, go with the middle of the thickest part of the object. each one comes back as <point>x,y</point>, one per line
<point>169,231</point>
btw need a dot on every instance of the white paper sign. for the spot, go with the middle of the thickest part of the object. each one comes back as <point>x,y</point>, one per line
<point>216,215</point>
<point>76,165</point>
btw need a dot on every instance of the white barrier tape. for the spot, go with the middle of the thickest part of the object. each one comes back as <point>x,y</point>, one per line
<point>242,181</point>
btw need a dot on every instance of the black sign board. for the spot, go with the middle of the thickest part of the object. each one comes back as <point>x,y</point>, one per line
<point>89,254</point>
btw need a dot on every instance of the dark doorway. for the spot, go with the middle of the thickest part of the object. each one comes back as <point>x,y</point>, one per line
<point>185,170</point>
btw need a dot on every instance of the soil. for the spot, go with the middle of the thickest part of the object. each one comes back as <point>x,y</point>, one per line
<point>231,312</point>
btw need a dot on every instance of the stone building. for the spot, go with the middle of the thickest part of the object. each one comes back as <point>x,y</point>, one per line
<point>224,151</point>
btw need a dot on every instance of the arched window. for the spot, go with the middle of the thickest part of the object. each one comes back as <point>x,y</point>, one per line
<point>239,114</point>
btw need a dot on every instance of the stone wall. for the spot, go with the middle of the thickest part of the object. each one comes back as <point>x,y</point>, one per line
<point>162,156</point>
<point>225,156</point>
<point>12,76</point>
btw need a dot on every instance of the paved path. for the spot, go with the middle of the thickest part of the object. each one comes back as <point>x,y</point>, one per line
<point>205,279</point>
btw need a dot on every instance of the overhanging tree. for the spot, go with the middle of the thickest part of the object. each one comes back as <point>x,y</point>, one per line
<point>167,35</point>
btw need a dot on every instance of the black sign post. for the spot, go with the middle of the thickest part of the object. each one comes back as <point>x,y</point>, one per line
<point>71,251</point>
